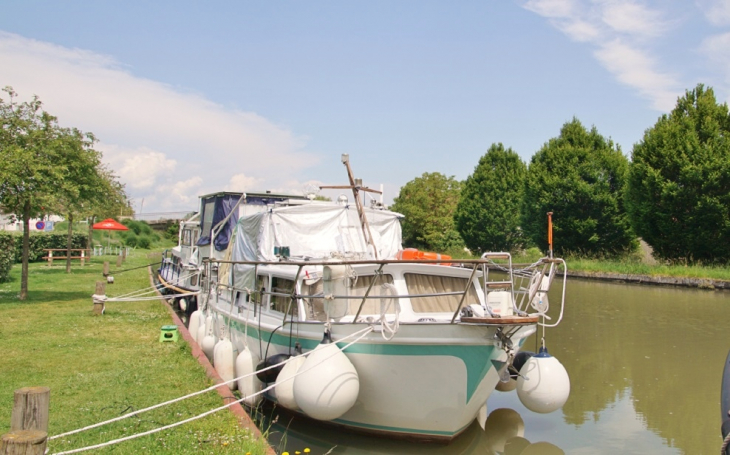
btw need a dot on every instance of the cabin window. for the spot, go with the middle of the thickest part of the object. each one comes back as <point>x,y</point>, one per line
<point>281,290</point>
<point>315,306</point>
<point>434,284</point>
<point>208,213</point>
<point>187,237</point>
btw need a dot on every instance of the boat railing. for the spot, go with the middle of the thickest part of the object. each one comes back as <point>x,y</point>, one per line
<point>524,284</point>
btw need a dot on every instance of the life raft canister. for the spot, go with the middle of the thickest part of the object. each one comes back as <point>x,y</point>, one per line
<point>410,254</point>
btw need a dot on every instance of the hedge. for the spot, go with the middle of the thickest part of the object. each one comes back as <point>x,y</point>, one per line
<point>6,255</point>
<point>41,241</point>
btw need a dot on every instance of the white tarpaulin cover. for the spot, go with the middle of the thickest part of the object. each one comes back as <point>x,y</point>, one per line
<point>313,231</point>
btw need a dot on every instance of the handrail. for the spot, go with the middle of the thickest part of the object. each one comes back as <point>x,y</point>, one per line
<point>378,265</point>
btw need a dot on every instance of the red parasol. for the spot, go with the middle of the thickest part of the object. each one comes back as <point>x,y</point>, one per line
<point>110,225</point>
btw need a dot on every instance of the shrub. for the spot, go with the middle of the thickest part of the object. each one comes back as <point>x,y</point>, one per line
<point>144,242</point>
<point>40,241</point>
<point>131,239</point>
<point>7,255</point>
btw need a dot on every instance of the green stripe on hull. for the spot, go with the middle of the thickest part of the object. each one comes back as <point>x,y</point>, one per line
<point>477,359</point>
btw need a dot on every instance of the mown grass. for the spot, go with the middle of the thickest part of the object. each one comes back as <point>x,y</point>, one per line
<point>100,367</point>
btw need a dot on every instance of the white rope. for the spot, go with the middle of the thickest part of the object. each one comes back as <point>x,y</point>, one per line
<point>142,299</point>
<point>390,328</point>
<point>212,411</point>
<point>200,392</point>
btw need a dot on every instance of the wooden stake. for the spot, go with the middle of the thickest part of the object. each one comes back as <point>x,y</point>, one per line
<point>24,442</point>
<point>119,260</point>
<point>97,298</point>
<point>30,409</point>
<point>124,254</point>
<point>106,268</point>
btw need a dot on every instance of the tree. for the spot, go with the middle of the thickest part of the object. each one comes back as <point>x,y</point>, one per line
<point>488,213</point>
<point>580,177</point>
<point>88,187</point>
<point>45,167</point>
<point>678,192</point>
<point>28,169</point>
<point>428,203</point>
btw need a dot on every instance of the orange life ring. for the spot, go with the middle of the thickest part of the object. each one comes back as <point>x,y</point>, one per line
<point>412,254</point>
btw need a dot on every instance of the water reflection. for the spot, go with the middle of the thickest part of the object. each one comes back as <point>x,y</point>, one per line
<point>645,365</point>
<point>503,434</point>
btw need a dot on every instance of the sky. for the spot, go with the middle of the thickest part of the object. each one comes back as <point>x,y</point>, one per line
<point>188,98</point>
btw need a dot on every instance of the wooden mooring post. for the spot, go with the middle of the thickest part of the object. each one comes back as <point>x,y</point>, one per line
<point>119,260</point>
<point>99,298</point>
<point>28,424</point>
<point>106,269</point>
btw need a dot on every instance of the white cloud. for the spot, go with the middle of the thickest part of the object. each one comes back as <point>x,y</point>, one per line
<point>716,49</point>
<point>551,8</point>
<point>157,134</point>
<point>717,12</point>
<point>242,182</point>
<point>634,68</point>
<point>622,32</point>
<point>140,168</point>
<point>633,18</point>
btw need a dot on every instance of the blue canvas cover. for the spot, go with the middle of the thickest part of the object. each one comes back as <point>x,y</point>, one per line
<point>223,205</point>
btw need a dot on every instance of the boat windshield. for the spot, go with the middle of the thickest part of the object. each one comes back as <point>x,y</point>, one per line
<point>437,284</point>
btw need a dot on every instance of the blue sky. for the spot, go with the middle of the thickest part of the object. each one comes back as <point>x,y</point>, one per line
<point>191,97</point>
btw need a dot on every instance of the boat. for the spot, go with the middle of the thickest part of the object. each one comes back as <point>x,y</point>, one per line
<point>206,234</point>
<point>317,307</point>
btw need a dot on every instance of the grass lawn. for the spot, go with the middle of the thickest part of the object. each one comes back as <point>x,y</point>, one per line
<point>100,367</point>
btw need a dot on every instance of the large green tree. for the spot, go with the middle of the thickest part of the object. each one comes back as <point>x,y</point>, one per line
<point>678,192</point>
<point>29,173</point>
<point>580,177</point>
<point>428,203</point>
<point>488,213</point>
<point>44,168</point>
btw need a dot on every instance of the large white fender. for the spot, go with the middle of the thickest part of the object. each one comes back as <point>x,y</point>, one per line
<point>543,385</point>
<point>328,384</point>
<point>285,383</point>
<point>208,340</point>
<point>194,324</point>
<point>245,366</point>
<point>224,357</point>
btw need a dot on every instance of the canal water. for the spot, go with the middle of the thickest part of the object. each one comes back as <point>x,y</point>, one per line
<point>645,365</point>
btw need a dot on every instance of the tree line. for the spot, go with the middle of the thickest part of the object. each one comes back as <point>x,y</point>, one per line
<point>49,169</point>
<point>674,193</point>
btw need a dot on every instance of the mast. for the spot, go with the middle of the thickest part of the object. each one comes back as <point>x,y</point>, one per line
<point>356,187</point>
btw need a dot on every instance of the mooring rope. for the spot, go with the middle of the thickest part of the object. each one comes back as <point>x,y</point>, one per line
<point>131,296</point>
<point>135,268</point>
<point>725,444</point>
<point>365,331</point>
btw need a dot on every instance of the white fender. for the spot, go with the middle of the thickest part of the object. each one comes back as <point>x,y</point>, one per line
<point>327,385</point>
<point>183,304</point>
<point>201,332</point>
<point>543,385</point>
<point>209,341</point>
<point>285,383</point>
<point>194,324</point>
<point>245,365</point>
<point>223,358</point>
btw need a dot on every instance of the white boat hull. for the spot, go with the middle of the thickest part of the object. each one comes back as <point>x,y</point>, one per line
<point>428,382</point>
